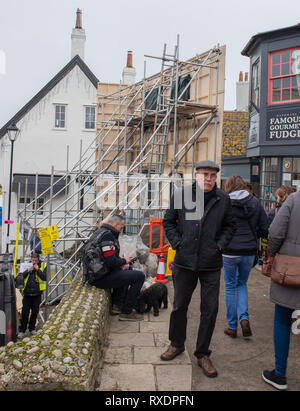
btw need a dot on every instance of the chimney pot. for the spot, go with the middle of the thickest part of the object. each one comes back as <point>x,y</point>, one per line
<point>129,59</point>
<point>246,76</point>
<point>241,76</point>
<point>78,19</point>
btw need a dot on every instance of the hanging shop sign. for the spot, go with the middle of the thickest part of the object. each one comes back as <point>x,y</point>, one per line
<point>283,125</point>
<point>253,134</point>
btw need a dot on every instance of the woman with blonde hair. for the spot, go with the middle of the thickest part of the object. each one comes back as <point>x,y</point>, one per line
<point>238,257</point>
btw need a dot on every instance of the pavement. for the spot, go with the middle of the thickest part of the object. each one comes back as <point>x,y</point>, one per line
<point>132,360</point>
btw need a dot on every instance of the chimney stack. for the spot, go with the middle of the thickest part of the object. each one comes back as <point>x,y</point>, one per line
<point>129,72</point>
<point>242,92</point>
<point>78,37</point>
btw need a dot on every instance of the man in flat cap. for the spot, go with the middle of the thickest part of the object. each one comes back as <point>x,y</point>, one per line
<point>198,224</point>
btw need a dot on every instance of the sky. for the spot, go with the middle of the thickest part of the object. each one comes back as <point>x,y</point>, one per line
<point>35,38</point>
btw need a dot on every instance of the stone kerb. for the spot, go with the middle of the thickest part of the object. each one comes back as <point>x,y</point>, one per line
<point>67,352</point>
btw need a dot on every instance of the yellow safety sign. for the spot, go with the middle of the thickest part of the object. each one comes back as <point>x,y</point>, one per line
<point>170,261</point>
<point>46,242</point>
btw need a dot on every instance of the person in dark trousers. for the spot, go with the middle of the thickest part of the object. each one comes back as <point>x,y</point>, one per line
<point>34,284</point>
<point>126,283</point>
<point>284,238</point>
<point>199,224</point>
<point>239,255</point>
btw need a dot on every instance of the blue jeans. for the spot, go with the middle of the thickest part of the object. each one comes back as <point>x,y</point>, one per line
<point>126,286</point>
<point>281,334</point>
<point>236,274</point>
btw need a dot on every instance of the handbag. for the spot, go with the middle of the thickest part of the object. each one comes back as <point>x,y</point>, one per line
<point>286,270</point>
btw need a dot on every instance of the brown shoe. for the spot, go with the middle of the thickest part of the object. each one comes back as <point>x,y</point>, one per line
<point>131,317</point>
<point>246,330</point>
<point>171,353</point>
<point>230,332</point>
<point>207,366</point>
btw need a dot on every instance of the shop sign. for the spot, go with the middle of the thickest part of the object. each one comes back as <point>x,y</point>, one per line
<point>283,125</point>
<point>253,130</point>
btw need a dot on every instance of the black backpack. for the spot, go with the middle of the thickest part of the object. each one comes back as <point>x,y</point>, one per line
<point>94,267</point>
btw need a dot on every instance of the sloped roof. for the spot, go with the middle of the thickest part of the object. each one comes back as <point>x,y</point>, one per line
<point>257,38</point>
<point>49,86</point>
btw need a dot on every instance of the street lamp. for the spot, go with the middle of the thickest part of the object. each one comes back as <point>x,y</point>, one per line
<point>13,133</point>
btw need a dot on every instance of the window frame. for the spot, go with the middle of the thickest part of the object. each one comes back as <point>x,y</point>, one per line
<point>65,116</point>
<point>85,117</point>
<point>281,76</point>
<point>40,204</point>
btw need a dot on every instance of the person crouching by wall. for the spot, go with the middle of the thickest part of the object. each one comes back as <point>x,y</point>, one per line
<point>126,283</point>
<point>34,284</point>
<point>238,257</point>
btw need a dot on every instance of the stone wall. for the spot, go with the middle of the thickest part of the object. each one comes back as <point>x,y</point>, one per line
<point>235,126</point>
<point>67,353</point>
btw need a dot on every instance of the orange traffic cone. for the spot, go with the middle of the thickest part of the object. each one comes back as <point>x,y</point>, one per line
<point>160,276</point>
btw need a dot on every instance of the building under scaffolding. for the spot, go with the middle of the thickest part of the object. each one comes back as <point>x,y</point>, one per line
<point>149,136</point>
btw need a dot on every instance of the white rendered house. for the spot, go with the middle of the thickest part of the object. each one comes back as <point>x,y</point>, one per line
<point>56,125</point>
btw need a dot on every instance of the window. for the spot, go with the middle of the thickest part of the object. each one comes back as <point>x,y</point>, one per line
<point>90,114</point>
<point>269,182</point>
<point>284,76</point>
<point>60,116</point>
<point>39,205</point>
<point>255,83</point>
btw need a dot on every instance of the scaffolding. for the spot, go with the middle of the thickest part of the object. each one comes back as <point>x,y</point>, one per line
<point>148,139</point>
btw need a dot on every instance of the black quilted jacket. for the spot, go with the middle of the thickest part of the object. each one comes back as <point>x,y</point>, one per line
<point>199,242</point>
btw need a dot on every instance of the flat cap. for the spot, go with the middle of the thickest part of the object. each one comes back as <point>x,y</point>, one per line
<point>207,164</point>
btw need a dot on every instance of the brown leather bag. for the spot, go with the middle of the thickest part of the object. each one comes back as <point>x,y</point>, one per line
<point>286,270</point>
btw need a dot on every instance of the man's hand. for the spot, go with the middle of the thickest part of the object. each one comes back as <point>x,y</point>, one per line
<point>127,259</point>
<point>30,269</point>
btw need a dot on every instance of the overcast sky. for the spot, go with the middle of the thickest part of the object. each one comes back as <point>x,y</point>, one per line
<point>35,37</point>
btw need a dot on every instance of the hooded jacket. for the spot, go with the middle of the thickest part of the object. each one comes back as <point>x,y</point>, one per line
<point>199,241</point>
<point>252,223</point>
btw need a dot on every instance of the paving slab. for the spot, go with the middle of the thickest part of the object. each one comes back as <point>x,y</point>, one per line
<point>131,339</point>
<point>119,355</point>
<point>151,355</point>
<point>154,327</point>
<point>173,377</point>
<point>161,339</point>
<point>117,326</point>
<point>164,315</point>
<point>134,377</point>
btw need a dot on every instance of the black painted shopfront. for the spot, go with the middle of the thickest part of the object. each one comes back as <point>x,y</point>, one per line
<point>274,108</point>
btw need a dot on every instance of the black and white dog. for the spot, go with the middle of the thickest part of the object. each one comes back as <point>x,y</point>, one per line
<point>152,296</point>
